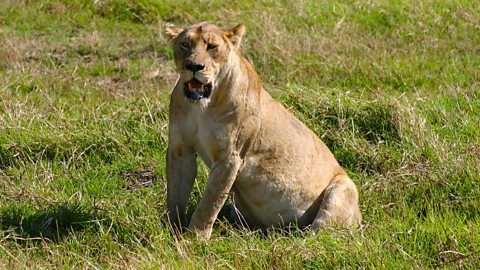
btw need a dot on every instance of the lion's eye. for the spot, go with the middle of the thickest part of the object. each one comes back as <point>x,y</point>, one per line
<point>211,47</point>
<point>184,45</point>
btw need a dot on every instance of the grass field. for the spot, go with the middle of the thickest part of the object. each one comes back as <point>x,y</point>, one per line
<point>392,87</point>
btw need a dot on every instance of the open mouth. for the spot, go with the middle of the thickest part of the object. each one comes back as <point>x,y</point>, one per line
<point>196,90</point>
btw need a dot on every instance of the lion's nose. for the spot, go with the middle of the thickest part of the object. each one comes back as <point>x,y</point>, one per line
<point>195,67</point>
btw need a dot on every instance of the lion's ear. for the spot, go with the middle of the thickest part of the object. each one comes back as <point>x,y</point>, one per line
<point>172,31</point>
<point>236,34</point>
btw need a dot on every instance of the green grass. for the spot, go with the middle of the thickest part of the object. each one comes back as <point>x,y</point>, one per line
<point>392,87</point>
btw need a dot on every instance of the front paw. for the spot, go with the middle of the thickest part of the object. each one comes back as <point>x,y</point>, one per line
<point>199,233</point>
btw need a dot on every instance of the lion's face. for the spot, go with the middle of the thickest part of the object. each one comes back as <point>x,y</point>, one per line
<point>201,53</point>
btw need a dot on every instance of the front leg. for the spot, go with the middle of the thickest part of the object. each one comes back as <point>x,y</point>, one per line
<point>181,172</point>
<point>219,183</point>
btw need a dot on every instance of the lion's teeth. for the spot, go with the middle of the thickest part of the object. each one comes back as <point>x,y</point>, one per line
<point>195,87</point>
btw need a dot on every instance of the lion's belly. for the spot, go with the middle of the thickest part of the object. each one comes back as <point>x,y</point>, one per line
<point>275,199</point>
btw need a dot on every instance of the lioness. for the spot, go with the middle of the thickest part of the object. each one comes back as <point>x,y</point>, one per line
<point>278,171</point>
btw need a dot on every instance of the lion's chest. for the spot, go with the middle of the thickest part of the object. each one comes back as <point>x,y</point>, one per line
<point>210,141</point>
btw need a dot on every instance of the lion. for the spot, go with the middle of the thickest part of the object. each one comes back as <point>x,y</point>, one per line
<point>276,169</point>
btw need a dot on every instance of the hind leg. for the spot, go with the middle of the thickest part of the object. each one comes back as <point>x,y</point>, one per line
<point>339,205</point>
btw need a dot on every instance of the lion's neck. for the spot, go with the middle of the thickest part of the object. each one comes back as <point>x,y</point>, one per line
<point>238,81</point>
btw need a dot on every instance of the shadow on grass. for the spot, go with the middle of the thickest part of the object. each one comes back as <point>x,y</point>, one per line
<point>54,222</point>
<point>225,224</point>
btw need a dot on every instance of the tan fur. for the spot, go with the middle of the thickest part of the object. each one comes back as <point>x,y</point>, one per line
<point>278,171</point>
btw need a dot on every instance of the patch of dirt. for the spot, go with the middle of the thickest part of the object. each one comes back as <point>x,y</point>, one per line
<point>140,179</point>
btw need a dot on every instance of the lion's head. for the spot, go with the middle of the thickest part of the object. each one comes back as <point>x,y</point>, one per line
<point>201,52</point>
